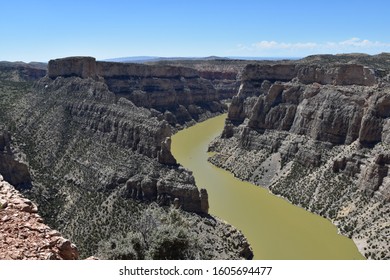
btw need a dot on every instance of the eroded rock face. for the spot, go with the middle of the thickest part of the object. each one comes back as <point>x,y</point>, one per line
<point>317,133</point>
<point>159,87</point>
<point>344,74</point>
<point>83,67</point>
<point>23,234</point>
<point>222,73</point>
<point>88,115</point>
<point>374,176</point>
<point>312,108</point>
<point>164,155</point>
<point>278,72</point>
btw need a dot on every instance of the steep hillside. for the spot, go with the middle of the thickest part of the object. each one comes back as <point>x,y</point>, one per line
<point>316,131</point>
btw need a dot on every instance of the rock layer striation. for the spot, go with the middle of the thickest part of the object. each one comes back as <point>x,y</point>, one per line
<point>98,160</point>
<point>177,92</point>
<point>316,132</point>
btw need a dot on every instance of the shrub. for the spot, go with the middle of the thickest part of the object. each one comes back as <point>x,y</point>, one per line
<point>156,234</point>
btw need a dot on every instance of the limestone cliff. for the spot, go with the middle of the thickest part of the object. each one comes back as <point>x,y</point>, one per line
<point>222,73</point>
<point>87,116</point>
<point>178,93</point>
<point>97,162</point>
<point>316,131</point>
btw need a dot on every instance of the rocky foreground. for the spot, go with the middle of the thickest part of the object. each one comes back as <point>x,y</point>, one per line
<point>317,132</point>
<point>23,233</point>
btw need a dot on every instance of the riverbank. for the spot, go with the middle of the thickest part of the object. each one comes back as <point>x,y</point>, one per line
<point>275,228</point>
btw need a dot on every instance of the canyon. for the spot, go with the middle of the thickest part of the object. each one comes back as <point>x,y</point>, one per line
<point>89,143</point>
<point>96,163</point>
<point>315,132</point>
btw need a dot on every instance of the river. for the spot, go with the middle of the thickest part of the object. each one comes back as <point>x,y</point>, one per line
<point>275,228</point>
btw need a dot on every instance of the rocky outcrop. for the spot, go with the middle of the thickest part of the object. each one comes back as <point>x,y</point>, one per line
<point>204,200</point>
<point>165,88</point>
<point>375,177</point>
<point>333,74</point>
<point>277,72</point>
<point>175,188</point>
<point>300,110</point>
<point>377,115</point>
<point>23,234</point>
<point>222,73</point>
<point>165,156</point>
<point>130,131</point>
<point>316,132</point>
<point>343,75</point>
<point>309,106</point>
<point>83,67</point>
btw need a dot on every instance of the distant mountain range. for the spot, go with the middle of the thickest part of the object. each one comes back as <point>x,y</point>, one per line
<point>142,59</point>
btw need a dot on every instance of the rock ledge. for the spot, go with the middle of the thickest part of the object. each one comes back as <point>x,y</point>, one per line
<point>23,235</point>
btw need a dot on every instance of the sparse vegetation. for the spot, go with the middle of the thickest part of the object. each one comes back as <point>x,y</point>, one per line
<point>80,170</point>
<point>336,196</point>
<point>155,234</point>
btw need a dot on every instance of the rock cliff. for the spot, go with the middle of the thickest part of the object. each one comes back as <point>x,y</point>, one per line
<point>97,161</point>
<point>316,132</point>
<point>87,116</point>
<point>178,93</point>
<point>83,67</point>
<point>222,73</point>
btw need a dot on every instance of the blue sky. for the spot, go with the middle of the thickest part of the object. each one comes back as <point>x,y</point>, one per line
<point>40,30</point>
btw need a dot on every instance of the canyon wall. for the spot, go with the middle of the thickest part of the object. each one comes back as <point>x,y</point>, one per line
<point>224,74</point>
<point>179,93</point>
<point>317,134</point>
<point>97,163</point>
<point>86,116</point>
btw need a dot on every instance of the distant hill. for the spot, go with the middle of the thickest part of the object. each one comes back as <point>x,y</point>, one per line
<point>137,59</point>
<point>37,65</point>
<point>143,59</point>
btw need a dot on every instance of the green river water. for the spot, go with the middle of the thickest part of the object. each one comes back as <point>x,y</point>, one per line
<point>275,228</point>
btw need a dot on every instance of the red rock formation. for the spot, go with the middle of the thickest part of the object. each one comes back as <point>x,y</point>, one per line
<point>23,234</point>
